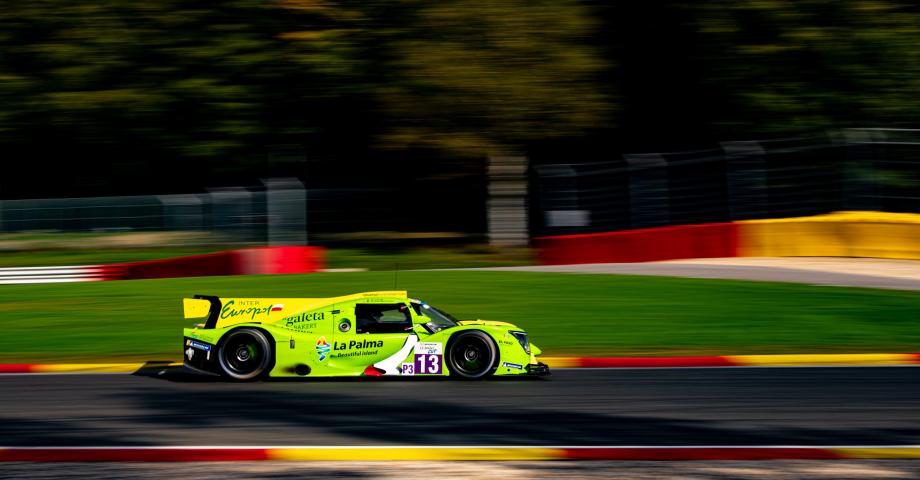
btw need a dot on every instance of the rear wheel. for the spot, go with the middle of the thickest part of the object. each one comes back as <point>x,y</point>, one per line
<point>472,355</point>
<point>245,354</point>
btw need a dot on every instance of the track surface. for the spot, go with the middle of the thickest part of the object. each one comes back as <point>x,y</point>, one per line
<point>739,406</point>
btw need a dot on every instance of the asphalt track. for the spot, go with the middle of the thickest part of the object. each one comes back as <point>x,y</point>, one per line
<point>685,407</point>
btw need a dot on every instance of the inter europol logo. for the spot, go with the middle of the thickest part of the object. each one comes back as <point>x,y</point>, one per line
<point>322,348</point>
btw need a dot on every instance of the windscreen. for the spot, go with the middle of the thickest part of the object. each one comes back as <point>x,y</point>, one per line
<point>438,319</point>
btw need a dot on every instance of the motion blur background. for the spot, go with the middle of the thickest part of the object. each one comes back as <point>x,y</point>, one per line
<point>166,142</point>
<point>409,123</point>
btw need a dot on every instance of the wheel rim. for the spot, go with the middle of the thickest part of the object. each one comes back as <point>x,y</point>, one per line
<point>471,356</point>
<point>243,355</point>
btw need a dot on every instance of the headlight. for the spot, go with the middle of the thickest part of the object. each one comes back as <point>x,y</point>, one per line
<point>522,339</point>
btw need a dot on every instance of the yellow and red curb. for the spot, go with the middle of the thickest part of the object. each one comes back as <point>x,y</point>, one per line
<point>795,360</point>
<point>415,453</point>
<point>838,234</point>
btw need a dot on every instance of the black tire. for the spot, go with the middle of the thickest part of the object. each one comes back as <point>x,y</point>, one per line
<point>245,354</point>
<point>471,355</point>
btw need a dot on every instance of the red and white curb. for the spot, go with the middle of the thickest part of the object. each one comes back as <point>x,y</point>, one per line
<point>64,274</point>
<point>445,453</point>
<point>793,360</point>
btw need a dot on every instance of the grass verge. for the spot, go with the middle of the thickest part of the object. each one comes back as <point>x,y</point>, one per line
<point>370,259</point>
<point>566,314</point>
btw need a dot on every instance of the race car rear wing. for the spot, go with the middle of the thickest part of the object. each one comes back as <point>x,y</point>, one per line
<point>202,306</point>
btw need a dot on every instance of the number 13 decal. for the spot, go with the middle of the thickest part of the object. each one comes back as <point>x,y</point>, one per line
<point>427,364</point>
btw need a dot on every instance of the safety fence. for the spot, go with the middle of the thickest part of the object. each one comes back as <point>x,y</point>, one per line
<point>853,169</point>
<point>273,213</point>
<point>508,200</point>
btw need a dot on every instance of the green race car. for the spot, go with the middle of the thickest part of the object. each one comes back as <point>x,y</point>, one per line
<point>371,334</point>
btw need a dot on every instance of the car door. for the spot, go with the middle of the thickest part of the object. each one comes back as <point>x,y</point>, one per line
<point>378,332</point>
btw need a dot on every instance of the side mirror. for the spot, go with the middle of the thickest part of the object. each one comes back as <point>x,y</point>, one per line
<point>419,319</point>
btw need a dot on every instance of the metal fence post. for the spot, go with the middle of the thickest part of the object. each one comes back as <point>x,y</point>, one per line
<point>559,201</point>
<point>861,178</point>
<point>746,177</point>
<point>506,208</point>
<point>182,212</point>
<point>648,190</point>
<point>286,208</point>
<point>231,213</point>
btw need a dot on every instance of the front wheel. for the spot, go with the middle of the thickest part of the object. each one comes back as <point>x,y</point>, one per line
<point>471,355</point>
<point>245,354</point>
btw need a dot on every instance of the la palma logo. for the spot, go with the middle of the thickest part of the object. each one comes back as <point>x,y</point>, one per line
<point>322,348</point>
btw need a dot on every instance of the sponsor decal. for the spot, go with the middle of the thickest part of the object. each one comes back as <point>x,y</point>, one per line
<point>377,300</point>
<point>358,344</point>
<point>322,348</point>
<point>407,369</point>
<point>230,311</point>
<point>206,338</point>
<point>428,364</point>
<point>294,320</point>
<point>200,346</point>
<point>516,366</point>
<point>302,327</point>
<point>428,358</point>
<point>356,353</point>
<point>429,348</point>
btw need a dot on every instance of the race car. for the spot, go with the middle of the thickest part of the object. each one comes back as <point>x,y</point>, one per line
<point>371,334</point>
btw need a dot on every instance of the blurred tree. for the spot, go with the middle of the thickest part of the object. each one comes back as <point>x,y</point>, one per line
<point>133,91</point>
<point>146,91</point>
<point>123,94</point>
<point>787,66</point>
<point>465,75</point>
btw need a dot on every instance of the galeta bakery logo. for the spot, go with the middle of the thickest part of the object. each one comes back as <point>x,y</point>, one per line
<point>303,317</point>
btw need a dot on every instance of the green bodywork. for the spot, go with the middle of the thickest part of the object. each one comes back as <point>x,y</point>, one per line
<point>308,336</point>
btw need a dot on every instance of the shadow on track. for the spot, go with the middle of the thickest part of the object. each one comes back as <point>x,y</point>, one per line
<point>311,416</point>
<point>165,370</point>
<point>694,407</point>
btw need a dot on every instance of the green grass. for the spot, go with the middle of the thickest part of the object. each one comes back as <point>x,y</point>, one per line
<point>429,258</point>
<point>566,314</point>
